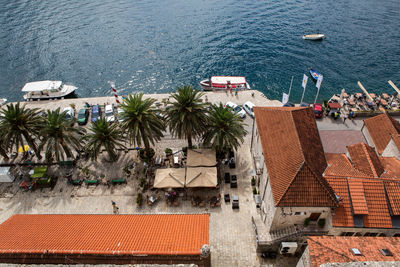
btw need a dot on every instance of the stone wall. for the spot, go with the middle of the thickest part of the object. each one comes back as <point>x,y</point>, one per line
<point>305,260</point>
<point>391,150</point>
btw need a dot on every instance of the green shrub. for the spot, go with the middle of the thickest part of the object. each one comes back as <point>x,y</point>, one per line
<point>255,191</point>
<point>146,155</point>
<point>321,222</point>
<point>168,151</point>
<point>194,147</point>
<point>306,222</point>
<point>253,181</point>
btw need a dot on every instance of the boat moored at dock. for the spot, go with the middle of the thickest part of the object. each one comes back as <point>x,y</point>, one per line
<point>44,90</point>
<point>220,83</point>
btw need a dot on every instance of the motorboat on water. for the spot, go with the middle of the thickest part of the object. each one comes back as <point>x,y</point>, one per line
<point>3,101</point>
<point>219,83</point>
<point>314,74</point>
<point>43,90</point>
<point>314,37</point>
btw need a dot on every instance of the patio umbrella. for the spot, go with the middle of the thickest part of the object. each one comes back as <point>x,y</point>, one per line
<point>25,148</point>
<point>201,158</point>
<point>201,177</point>
<point>170,178</point>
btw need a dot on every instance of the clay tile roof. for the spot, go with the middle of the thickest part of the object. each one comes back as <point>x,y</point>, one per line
<point>365,159</point>
<point>340,165</point>
<point>393,193</point>
<point>356,189</point>
<point>381,128</point>
<point>293,154</point>
<point>392,168</point>
<point>167,234</point>
<point>330,249</point>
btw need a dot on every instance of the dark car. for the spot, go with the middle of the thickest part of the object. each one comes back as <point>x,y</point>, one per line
<point>304,104</point>
<point>227,177</point>
<point>318,110</point>
<point>233,181</point>
<point>232,163</point>
<point>289,104</point>
<point>96,113</point>
<point>83,116</point>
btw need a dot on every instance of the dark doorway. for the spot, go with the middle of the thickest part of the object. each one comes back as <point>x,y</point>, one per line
<point>314,216</point>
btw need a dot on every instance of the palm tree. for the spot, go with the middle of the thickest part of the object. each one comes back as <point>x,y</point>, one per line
<point>104,135</point>
<point>18,125</point>
<point>59,137</point>
<point>3,151</point>
<point>187,115</point>
<point>141,120</point>
<point>225,129</point>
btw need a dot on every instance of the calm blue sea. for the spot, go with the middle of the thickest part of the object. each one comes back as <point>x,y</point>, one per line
<point>157,45</point>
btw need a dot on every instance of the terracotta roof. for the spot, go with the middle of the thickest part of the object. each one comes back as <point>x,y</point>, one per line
<point>294,156</point>
<point>393,193</point>
<point>356,189</point>
<point>391,166</point>
<point>337,141</point>
<point>167,234</point>
<point>365,159</point>
<point>360,194</point>
<point>330,249</point>
<point>381,128</point>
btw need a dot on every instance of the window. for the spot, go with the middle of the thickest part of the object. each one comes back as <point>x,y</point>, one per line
<point>349,234</point>
<point>386,252</point>
<point>356,251</point>
<point>382,234</point>
<point>370,234</point>
<point>300,213</point>
<point>396,235</point>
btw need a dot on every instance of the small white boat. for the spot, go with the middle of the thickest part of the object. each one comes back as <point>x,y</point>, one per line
<point>3,101</point>
<point>220,83</point>
<point>317,36</point>
<point>43,90</point>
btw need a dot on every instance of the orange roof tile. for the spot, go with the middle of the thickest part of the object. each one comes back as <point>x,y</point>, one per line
<point>358,201</point>
<point>340,165</point>
<point>365,159</point>
<point>393,192</point>
<point>381,128</point>
<point>293,153</point>
<point>167,234</point>
<point>391,166</point>
<point>342,215</point>
<point>330,249</point>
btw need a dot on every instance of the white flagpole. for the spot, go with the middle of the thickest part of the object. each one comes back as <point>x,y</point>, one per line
<point>290,89</point>
<point>318,85</point>
<point>305,79</point>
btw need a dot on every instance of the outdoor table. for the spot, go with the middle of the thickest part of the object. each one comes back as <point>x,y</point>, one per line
<point>385,95</point>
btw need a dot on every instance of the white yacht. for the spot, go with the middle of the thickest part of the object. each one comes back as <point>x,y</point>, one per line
<point>44,90</point>
<point>219,83</point>
<point>314,37</point>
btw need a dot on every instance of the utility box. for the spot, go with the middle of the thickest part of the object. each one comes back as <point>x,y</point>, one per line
<point>288,248</point>
<point>5,176</point>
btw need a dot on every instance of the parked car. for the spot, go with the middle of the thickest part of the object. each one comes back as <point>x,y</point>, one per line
<point>318,110</point>
<point>109,113</point>
<point>249,107</point>
<point>235,202</point>
<point>289,105</point>
<point>70,113</point>
<point>119,116</point>
<point>237,109</point>
<point>83,116</point>
<point>227,177</point>
<point>96,113</point>
<point>233,181</point>
<point>304,104</point>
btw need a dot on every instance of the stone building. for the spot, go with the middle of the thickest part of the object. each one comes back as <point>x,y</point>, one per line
<point>383,133</point>
<point>350,251</point>
<point>106,239</point>
<point>307,192</point>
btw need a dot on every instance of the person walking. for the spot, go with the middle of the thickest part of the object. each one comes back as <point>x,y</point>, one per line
<point>115,208</point>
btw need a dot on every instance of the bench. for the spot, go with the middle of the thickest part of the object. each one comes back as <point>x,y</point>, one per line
<point>118,181</point>
<point>75,182</point>
<point>91,182</point>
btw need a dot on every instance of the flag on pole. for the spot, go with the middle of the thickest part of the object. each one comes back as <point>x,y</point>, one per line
<point>285,98</point>
<point>319,81</point>
<point>305,79</point>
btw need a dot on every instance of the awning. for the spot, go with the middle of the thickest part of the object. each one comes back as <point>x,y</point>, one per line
<point>40,86</point>
<point>201,177</point>
<point>201,158</point>
<point>170,178</point>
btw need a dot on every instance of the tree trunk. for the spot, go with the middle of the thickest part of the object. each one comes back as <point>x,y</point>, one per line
<point>189,136</point>
<point>4,153</point>
<point>32,144</point>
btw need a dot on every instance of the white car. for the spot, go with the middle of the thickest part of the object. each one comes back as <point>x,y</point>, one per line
<point>109,113</point>
<point>249,107</point>
<point>119,112</point>
<point>70,113</point>
<point>236,109</point>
